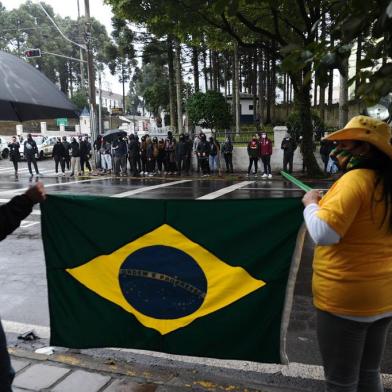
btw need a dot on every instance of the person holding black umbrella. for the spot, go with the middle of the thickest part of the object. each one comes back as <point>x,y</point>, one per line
<point>30,151</point>
<point>14,154</point>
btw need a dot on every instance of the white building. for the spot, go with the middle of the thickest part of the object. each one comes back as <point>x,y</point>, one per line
<point>110,100</point>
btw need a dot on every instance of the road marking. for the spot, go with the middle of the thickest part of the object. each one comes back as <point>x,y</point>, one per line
<point>224,191</point>
<point>25,224</point>
<point>292,370</point>
<point>149,188</point>
<point>17,191</point>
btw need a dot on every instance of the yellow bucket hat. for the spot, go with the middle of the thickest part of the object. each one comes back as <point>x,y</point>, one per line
<point>366,129</point>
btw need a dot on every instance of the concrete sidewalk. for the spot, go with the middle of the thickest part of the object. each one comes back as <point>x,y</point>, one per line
<point>70,372</point>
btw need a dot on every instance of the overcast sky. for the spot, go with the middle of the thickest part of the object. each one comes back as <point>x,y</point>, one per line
<point>98,10</point>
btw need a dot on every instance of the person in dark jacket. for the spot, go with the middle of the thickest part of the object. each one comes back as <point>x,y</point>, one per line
<point>288,146</point>
<point>97,147</point>
<point>133,154</point>
<point>85,154</point>
<point>11,214</point>
<point>14,153</point>
<point>143,155</point>
<point>214,155</point>
<point>119,151</point>
<point>265,152</point>
<point>58,155</point>
<point>170,154</point>
<point>253,153</point>
<point>75,157</point>
<point>150,157</point>
<point>67,147</point>
<point>161,155</point>
<point>30,151</point>
<point>203,153</point>
<point>227,152</point>
<point>188,154</point>
<point>181,150</point>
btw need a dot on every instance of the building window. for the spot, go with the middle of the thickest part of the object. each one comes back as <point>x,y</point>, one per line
<point>251,107</point>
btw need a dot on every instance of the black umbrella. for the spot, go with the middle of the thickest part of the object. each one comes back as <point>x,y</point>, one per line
<point>112,134</point>
<point>27,94</point>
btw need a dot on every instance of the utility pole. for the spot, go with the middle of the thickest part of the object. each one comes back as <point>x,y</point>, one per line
<point>90,71</point>
<point>100,103</point>
<point>82,84</point>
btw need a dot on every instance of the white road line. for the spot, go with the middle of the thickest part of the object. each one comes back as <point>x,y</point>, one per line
<point>149,188</point>
<point>224,191</point>
<point>11,170</point>
<point>292,370</point>
<point>17,191</point>
<point>24,224</point>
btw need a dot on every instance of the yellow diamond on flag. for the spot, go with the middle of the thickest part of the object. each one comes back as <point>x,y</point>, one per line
<point>165,279</point>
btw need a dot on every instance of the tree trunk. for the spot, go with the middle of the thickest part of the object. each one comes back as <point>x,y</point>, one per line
<point>343,96</point>
<point>254,90</point>
<point>261,87</point>
<point>330,83</point>
<point>177,56</point>
<point>215,70</point>
<point>358,66</point>
<point>210,70</point>
<point>237,89</point>
<point>195,64</point>
<point>273,83</point>
<point>303,104</point>
<point>205,70</point>
<point>172,92</point>
<point>268,87</point>
<point>123,85</point>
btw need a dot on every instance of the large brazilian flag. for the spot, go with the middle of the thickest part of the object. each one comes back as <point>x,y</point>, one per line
<point>201,278</point>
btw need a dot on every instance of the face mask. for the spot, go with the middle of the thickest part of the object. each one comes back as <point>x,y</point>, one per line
<point>345,160</point>
<point>263,136</point>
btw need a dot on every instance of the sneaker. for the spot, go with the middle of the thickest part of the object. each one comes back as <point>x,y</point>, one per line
<point>72,174</point>
<point>63,174</point>
<point>151,174</point>
<point>264,175</point>
<point>269,175</point>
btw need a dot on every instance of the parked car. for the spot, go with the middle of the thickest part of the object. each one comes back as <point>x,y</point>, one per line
<point>4,150</point>
<point>46,148</point>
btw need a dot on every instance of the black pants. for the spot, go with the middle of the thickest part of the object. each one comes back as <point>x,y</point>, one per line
<point>15,163</point>
<point>67,161</point>
<point>160,163</point>
<point>7,374</point>
<point>58,160</point>
<point>266,159</point>
<point>351,352</point>
<point>151,165</point>
<point>229,162</point>
<point>85,161</point>
<point>133,165</point>
<point>288,161</point>
<point>180,164</point>
<point>254,162</point>
<point>204,165</point>
<point>31,159</point>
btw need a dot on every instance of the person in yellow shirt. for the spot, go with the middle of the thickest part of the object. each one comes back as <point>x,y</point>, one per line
<point>352,267</point>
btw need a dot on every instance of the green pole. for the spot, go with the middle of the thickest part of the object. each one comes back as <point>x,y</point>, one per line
<point>296,182</point>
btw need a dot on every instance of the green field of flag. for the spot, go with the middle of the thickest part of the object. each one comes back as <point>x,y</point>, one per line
<point>201,278</point>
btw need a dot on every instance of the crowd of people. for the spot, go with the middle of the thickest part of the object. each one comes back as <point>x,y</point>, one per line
<point>74,156</point>
<point>149,156</point>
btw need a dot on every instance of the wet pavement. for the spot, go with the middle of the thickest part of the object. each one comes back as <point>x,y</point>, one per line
<point>23,297</point>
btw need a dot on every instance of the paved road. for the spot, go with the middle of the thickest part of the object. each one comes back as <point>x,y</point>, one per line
<point>23,297</point>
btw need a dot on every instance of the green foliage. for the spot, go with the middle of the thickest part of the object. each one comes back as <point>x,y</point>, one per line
<point>295,128</point>
<point>28,27</point>
<point>209,110</point>
<point>79,99</point>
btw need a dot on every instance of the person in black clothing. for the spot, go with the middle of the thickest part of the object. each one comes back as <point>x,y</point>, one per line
<point>75,157</point>
<point>253,153</point>
<point>188,154</point>
<point>67,147</point>
<point>97,147</point>
<point>161,155</point>
<point>85,151</point>
<point>133,154</point>
<point>170,154</point>
<point>181,153</point>
<point>203,152</point>
<point>14,154</point>
<point>58,155</point>
<point>227,152</point>
<point>11,214</point>
<point>30,151</point>
<point>288,146</point>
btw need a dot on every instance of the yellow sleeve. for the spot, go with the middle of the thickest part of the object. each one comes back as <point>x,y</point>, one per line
<point>340,206</point>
